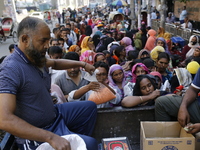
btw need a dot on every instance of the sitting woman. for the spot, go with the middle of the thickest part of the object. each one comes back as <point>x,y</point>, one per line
<point>116,78</point>
<point>127,43</point>
<point>161,42</point>
<point>144,92</point>
<point>75,48</point>
<point>100,57</point>
<point>162,63</point>
<point>138,69</point>
<point>101,76</point>
<point>87,44</point>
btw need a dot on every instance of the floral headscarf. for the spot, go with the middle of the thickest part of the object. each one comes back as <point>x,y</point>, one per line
<point>111,70</point>
<point>134,69</point>
<point>88,57</point>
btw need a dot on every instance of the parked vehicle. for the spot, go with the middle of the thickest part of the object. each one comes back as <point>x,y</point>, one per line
<point>8,28</point>
<point>37,15</point>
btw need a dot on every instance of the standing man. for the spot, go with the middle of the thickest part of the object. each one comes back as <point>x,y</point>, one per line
<point>26,107</point>
<point>58,15</point>
<point>183,15</point>
<point>72,34</point>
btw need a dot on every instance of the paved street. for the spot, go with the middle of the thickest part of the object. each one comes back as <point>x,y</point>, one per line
<point>4,46</point>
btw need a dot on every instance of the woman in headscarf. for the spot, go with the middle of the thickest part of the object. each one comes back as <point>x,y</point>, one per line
<point>88,30</point>
<point>143,54</point>
<point>138,41</point>
<point>161,32</point>
<point>88,57</point>
<point>138,69</point>
<point>150,44</point>
<point>75,48</point>
<point>116,79</point>
<point>100,57</point>
<point>87,44</point>
<point>144,92</point>
<point>96,39</point>
<point>143,32</point>
<point>119,54</point>
<point>168,40</point>
<point>127,43</point>
<point>161,42</point>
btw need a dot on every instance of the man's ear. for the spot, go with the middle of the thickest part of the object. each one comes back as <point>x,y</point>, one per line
<point>25,39</point>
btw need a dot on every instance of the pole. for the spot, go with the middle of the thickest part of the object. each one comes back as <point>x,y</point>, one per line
<point>149,13</point>
<point>162,14</point>
<point>139,14</point>
<point>132,7</point>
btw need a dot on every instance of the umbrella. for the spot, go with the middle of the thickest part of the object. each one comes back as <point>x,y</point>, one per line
<point>119,3</point>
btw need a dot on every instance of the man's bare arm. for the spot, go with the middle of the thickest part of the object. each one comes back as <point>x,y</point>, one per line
<point>61,64</point>
<point>20,128</point>
<point>190,96</point>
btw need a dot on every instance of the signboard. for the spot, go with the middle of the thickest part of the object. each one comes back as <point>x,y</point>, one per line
<point>192,8</point>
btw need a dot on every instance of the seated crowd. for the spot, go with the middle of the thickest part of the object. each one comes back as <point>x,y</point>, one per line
<point>137,69</point>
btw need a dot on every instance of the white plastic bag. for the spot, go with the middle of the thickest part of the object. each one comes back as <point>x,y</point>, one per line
<point>76,142</point>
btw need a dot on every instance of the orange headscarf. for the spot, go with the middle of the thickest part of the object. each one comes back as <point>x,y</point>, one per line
<point>150,44</point>
<point>161,32</point>
<point>72,48</point>
<point>84,44</point>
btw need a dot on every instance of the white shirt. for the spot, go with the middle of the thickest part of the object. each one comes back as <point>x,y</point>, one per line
<point>184,25</point>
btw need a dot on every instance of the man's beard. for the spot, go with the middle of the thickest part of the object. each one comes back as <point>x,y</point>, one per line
<point>36,57</point>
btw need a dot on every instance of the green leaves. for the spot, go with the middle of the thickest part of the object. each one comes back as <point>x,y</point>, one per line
<point>184,1</point>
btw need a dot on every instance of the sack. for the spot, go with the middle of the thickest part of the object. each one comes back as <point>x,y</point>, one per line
<point>103,96</point>
<point>76,142</point>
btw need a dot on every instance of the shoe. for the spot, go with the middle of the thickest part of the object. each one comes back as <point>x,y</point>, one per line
<point>4,38</point>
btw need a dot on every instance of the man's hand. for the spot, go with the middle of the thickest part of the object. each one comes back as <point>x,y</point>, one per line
<point>59,143</point>
<point>89,68</point>
<point>183,116</point>
<point>94,86</point>
<point>195,128</point>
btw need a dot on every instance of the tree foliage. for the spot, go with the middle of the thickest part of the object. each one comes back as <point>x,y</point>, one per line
<point>184,1</point>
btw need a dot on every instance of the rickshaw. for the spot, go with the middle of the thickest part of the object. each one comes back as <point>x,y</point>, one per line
<point>8,28</point>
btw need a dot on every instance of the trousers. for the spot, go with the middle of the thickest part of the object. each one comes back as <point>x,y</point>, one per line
<point>167,107</point>
<point>72,118</point>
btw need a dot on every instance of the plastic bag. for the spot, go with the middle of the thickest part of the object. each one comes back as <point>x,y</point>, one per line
<point>76,142</point>
<point>103,95</point>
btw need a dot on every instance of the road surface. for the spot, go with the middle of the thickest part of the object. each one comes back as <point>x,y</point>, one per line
<point>4,46</point>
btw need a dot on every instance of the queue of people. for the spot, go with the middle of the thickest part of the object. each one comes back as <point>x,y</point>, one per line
<point>45,86</point>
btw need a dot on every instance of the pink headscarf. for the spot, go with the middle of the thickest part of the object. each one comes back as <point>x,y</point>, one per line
<point>134,69</point>
<point>150,44</point>
<point>128,42</point>
<point>156,73</point>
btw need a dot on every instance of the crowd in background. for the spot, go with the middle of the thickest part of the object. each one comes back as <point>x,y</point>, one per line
<point>124,58</point>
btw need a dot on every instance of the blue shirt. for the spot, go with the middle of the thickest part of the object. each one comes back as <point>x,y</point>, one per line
<point>31,87</point>
<point>196,81</point>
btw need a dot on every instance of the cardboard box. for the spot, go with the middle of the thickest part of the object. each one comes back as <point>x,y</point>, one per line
<point>165,136</point>
<point>116,143</point>
<point>197,141</point>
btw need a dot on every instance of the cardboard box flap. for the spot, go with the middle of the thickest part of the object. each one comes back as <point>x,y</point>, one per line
<point>161,129</point>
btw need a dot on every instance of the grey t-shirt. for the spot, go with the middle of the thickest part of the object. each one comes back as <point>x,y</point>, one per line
<point>67,85</point>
